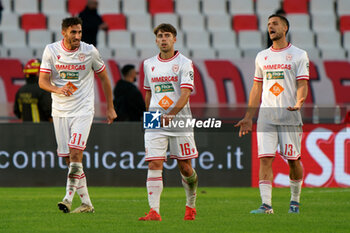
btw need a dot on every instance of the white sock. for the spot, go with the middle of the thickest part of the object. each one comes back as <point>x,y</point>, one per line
<point>190,184</point>
<point>295,189</point>
<point>75,170</point>
<point>154,188</point>
<point>265,187</point>
<point>82,190</point>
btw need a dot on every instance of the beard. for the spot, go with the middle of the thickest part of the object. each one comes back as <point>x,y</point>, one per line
<point>72,43</point>
<point>278,36</point>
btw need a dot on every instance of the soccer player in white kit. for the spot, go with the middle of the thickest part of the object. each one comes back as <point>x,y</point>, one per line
<point>67,71</point>
<point>168,84</point>
<point>281,82</point>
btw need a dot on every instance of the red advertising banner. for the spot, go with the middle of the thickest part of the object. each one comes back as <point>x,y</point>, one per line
<point>325,156</point>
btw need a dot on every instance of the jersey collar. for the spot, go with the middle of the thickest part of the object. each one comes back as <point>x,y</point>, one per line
<point>170,59</point>
<point>66,49</point>
<point>282,49</point>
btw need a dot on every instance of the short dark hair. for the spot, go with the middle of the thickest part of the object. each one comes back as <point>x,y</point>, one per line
<point>126,69</point>
<point>165,27</point>
<point>70,21</point>
<point>280,12</point>
<point>284,19</point>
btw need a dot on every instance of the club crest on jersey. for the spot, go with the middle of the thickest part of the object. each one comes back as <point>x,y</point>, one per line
<point>265,58</point>
<point>81,57</point>
<point>175,68</point>
<point>289,57</point>
<point>152,68</point>
<point>58,57</point>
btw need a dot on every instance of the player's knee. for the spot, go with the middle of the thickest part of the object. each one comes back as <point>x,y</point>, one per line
<point>76,156</point>
<point>155,165</point>
<point>294,163</point>
<point>266,162</point>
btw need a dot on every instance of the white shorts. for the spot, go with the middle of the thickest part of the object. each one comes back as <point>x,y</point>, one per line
<point>287,136</point>
<point>71,132</point>
<point>181,147</point>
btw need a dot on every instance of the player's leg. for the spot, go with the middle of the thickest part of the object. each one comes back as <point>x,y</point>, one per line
<point>156,146</point>
<point>296,181</point>
<point>183,148</point>
<point>61,126</point>
<point>265,179</point>
<point>80,130</point>
<point>190,184</point>
<point>74,173</point>
<point>267,146</point>
<point>154,185</point>
<point>290,149</point>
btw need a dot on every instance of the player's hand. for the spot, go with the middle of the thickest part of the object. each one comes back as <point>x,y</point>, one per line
<point>165,119</point>
<point>245,126</point>
<point>111,115</point>
<point>65,90</point>
<point>297,106</point>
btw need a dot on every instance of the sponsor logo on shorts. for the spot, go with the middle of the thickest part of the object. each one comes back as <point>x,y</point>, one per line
<point>164,88</point>
<point>270,75</point>
<point>69,75</point>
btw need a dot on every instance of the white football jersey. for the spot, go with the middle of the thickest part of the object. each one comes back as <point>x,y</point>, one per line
<point>279,71</point>
<point>75,66</point>
<point>165,78</point>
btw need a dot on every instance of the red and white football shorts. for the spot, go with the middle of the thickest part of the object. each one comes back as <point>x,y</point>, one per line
<point>71,132</point>
<point>288,137</point>
<point>181,147</point>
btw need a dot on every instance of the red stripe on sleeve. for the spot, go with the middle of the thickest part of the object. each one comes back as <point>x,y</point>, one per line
<point>101,69</point>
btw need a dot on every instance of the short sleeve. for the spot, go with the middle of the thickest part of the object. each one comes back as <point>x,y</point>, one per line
<point>97,63</point>
<point>258,75</point>
<point>303,67</point>
<point>187,76</point>
<point>146,85</point>
<point>46,65</point>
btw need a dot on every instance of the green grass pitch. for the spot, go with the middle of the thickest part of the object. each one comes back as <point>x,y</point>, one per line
<point>218,210</point>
